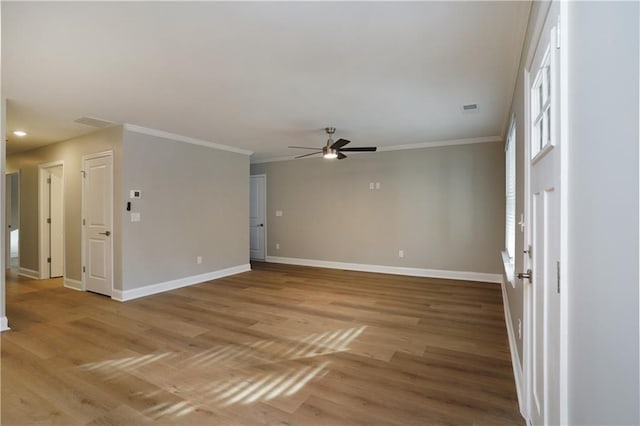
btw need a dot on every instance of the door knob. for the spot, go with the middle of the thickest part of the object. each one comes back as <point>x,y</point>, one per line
<point>527,275</point>
<point>107,233</point>
<point>261,225</point>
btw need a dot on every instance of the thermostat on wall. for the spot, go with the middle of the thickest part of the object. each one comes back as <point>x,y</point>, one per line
<point>135,193</point>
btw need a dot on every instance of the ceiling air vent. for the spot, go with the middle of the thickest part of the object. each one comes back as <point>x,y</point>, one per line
<point>470,107</point>
<point>95,122</point>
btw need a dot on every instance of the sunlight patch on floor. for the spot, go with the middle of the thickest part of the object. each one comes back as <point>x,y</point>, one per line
<point>241,386</point>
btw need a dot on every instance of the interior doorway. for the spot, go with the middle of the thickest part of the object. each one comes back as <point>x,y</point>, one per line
<point>258,217</point>
<point>51,184</point>
<point>97,220</point>
<point>12,206</point>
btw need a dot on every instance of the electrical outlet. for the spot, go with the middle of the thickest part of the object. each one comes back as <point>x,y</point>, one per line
<point>135,217</point>
<point>199,260</point>
<point>372,185</point>
<point>278,213</point>
<point>400,253</point>
<point>277,246</point>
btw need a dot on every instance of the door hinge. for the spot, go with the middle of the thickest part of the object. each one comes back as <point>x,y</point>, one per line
<point>84,174</point>
<point>49,180</point>
<point>558,269</point>
<point>84,269</point>
<point>83,222</point>
<point>48,260</point>
<point>529,251</point>
<point>48,220</point>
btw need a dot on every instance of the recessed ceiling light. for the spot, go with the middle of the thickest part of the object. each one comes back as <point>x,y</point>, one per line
<point>20,133</point>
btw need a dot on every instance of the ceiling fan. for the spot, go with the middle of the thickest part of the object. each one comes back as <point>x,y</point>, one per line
<point>334,149</point>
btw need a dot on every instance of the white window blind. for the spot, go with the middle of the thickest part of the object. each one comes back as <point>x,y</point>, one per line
<point>510,221</point>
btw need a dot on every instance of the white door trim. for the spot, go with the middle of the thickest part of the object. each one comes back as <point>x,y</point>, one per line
<point>526,264</point>
<point>564,211</point>
<point>264,213</point>
<point>82,215</point>
<point>43,237</point>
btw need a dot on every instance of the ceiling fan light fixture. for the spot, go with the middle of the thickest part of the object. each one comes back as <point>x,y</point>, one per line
<point>329,153</point>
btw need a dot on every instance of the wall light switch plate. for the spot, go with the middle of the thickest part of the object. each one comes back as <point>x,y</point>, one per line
<point>371,185</point>
<point>377,185</point>
<point>278,213</point>
<point>135,217</point>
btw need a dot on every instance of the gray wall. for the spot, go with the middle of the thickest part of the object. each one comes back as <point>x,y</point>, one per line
<point>195,202</point>
<point>603,216</point>
<point>71,153</point>
<point>444,206</point>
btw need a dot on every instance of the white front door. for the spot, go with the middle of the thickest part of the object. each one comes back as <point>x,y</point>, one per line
<point>97,208</point>
<point>257,213</point>
<point>542,360</point>
<point>56,212</point>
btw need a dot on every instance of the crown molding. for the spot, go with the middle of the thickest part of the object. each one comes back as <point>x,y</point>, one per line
<point>272,160</point>
<point>435,144</point>
<point>185,139</point>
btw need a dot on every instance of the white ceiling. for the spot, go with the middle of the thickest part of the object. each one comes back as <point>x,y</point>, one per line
<point>261,76</point>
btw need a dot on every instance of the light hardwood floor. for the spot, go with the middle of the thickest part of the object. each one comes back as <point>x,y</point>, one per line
<point>279,345</point>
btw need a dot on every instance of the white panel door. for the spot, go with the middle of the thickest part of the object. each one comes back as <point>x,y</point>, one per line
<point>97,198</point>
<point>8,220</point>
<point>543,292</point>
<point>257,213</point>
<point>56,212</point>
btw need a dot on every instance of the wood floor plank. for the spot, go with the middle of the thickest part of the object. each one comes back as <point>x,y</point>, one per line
<point>280,345</point>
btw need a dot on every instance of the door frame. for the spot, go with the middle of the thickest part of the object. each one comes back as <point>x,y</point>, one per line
<point>83,256</point>
<point>8,234</point>
<point>43,237</point>
<point>562,105</point>
<point>264,212</point>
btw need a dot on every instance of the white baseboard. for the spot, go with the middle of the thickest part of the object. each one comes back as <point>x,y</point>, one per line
<point>4,324</point>
<point>29,273</point>
<point>518,374</point>
<point>124,295</point>
<point>73,284</point>
<point>395,270</point>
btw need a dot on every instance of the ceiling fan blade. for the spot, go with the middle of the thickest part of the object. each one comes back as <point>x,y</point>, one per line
<point>303,147</point>
<point>306,155</point>
<point>340,143</point>
<point>361,149</point>
<point>341,155</point>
